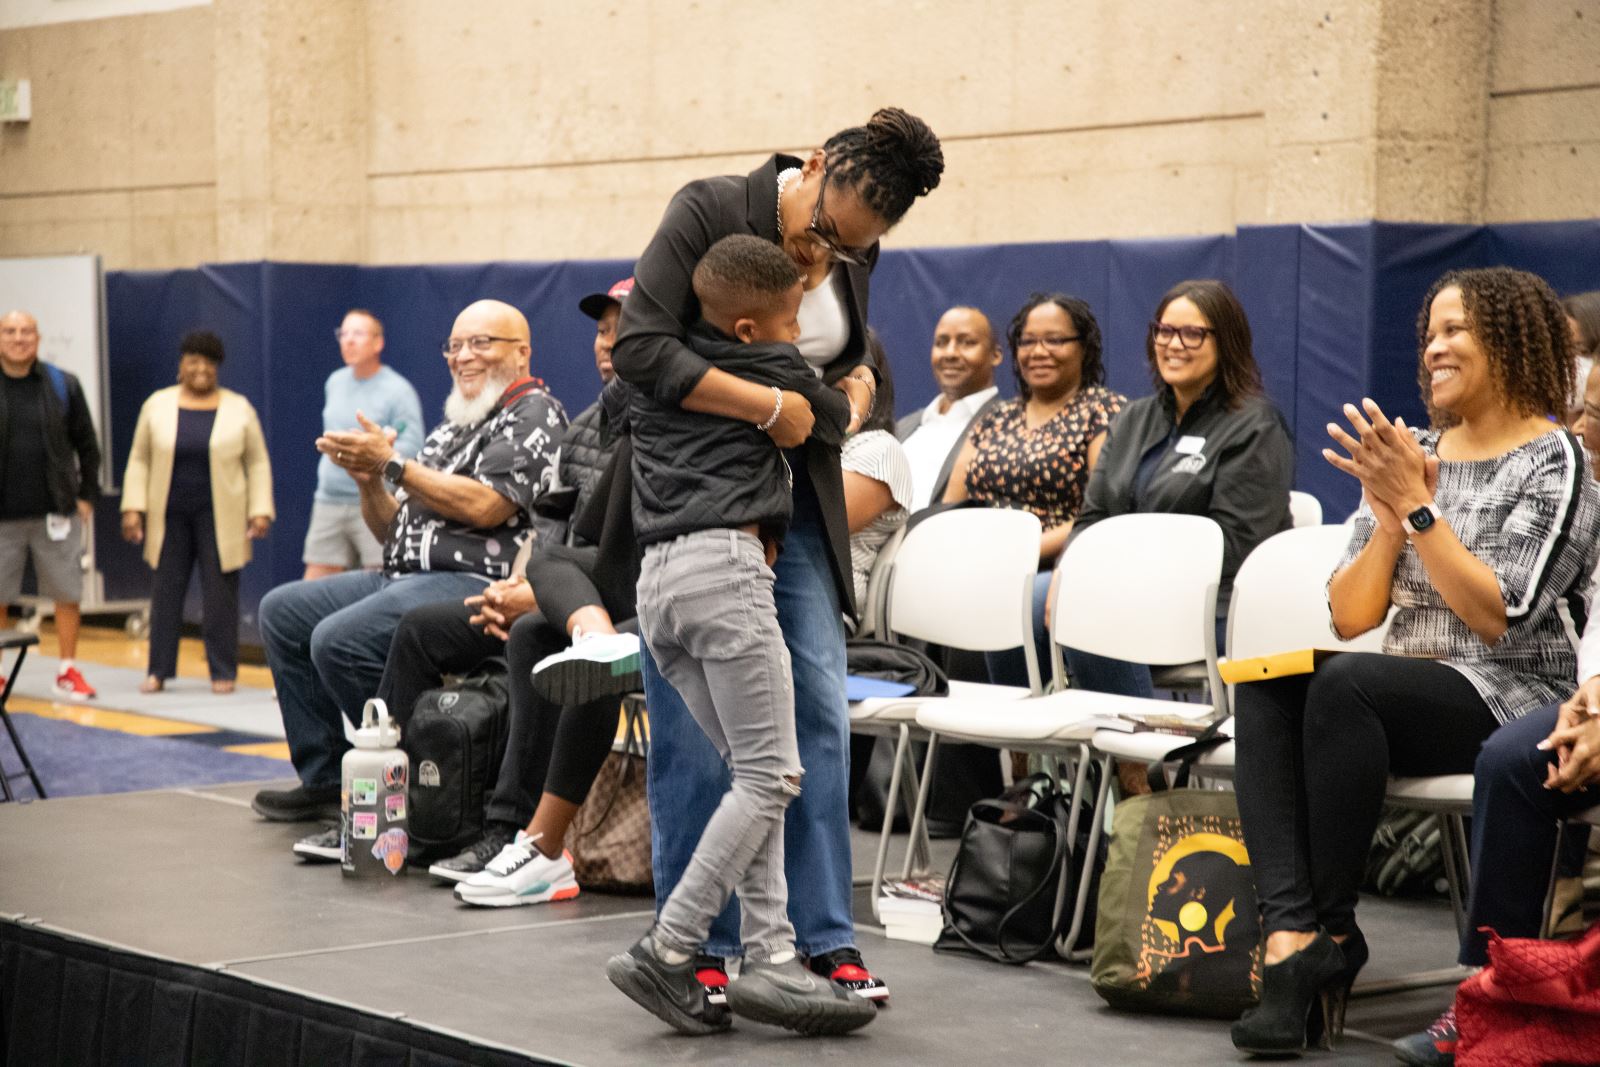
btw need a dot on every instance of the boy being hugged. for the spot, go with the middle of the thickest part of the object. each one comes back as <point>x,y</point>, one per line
<point>710,507</point>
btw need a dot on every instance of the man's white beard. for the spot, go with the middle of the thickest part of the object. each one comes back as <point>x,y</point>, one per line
<point>461,412</point>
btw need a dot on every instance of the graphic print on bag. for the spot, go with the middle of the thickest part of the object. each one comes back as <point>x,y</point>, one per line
<point>1201,931</point>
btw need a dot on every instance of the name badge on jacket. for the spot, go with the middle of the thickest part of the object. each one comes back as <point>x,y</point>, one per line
<point>1189,445</point>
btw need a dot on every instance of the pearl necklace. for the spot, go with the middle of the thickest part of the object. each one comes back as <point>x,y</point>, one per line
<point>784,179</point>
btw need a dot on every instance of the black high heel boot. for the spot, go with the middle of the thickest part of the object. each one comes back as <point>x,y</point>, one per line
<point>1290,992</point>
<point>1336,995</point>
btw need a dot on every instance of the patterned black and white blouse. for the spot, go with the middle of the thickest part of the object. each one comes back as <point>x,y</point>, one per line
<point>1533,516</point>
<point>513,452</point>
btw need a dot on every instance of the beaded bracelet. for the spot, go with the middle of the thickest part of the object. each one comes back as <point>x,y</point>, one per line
<point>777,409</point>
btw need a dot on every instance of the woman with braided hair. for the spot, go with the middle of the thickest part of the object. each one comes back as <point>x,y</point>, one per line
<point>1476,530</point>
<point>828,212</point>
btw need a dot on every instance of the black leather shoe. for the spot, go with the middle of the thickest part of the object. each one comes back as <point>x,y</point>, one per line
<point>300,804</point>
<point>476,856</point>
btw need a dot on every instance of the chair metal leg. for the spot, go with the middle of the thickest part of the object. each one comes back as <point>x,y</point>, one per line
<point>1451,839</point>
<point>902,745</point>
<point>1086,875</point>
<point>919,821</point>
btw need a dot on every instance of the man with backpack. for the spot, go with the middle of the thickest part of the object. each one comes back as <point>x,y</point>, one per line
<point>49,482</point>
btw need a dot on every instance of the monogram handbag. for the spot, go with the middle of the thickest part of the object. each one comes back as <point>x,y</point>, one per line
<point>610,836</point>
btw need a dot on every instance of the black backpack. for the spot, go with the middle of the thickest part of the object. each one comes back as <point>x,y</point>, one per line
<point>456,739</point>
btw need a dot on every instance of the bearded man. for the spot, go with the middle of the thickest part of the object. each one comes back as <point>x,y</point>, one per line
<point>451,521</point>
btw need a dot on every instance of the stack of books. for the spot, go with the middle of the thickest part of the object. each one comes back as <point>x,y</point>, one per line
<point>911,909</point>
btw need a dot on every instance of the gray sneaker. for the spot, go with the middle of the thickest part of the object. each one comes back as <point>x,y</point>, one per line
<point>788,995</point>
<point>669,991</point>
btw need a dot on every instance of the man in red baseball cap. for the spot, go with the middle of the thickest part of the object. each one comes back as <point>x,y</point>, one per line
<point>605,308</point>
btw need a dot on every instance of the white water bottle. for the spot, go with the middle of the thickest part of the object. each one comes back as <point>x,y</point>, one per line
<point>373,798</point>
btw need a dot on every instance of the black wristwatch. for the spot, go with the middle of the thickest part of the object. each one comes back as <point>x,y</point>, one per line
<point>393,470</point>
<point>1422,520</point>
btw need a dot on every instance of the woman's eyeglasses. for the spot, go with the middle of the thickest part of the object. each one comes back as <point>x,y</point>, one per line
<point>855,256</point>
<point>1188,336</point>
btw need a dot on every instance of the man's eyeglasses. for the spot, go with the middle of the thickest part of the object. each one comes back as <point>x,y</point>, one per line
<point>1049,344</point>
<point>479,343</point>
<point>1188,336</point>
<point>854,256</point>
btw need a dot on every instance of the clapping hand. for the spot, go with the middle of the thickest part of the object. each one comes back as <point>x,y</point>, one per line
<point>1396,475</point>
<point>363,451</point>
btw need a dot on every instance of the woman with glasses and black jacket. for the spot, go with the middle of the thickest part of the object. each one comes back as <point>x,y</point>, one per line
<point>828,212</point>
<point>1208,442</point>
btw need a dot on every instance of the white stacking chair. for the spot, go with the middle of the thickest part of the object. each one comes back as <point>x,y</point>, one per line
<point>1134,587</point>
<point>1279,605</point>
<point>1304,509</point>
<point>870,611</point>
<point>962,579</point>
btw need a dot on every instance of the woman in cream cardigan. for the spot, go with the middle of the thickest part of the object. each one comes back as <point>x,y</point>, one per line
<point>198,489</point>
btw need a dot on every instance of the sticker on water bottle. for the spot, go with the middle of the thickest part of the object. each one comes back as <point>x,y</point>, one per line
<point>395,774</point>
<point>391,848</point>
<point>363,791</point>
<point>395,806</point>
<point>364,824</point>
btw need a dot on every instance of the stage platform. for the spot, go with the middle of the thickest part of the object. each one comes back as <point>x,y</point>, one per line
<point>198,883</point>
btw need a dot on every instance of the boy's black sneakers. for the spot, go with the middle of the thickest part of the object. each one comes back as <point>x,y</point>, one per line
<point>669,991</point>
<point>788,995</point>
<point>844,965</point>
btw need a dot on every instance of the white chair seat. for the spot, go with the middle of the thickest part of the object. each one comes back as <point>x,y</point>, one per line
<point>1066,716</point>
<point>904,709</point>
<point>1445,792</point>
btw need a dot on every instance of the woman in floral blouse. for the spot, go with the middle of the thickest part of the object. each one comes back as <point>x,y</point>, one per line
<point>1035,452</point>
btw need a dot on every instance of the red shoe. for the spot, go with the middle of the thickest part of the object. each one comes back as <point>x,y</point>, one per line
<point>845,966</point>
<point>712,973</point>
<point>71,686</point>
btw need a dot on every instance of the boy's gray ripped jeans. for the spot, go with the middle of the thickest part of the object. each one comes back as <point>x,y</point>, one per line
<point>706,610</point>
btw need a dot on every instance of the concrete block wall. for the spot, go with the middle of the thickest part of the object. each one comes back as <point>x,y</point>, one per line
<point>407,131</point>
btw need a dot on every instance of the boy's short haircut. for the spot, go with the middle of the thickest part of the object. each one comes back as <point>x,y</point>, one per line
<point>742,276</point>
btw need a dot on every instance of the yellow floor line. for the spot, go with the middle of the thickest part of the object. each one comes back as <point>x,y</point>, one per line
<point>268,749</point>
<point>128,722</point>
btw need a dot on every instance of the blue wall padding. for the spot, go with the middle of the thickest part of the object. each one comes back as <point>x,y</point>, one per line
<point>1333,311</point>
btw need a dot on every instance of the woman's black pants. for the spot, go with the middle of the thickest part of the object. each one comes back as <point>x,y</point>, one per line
<point>1314,755</point>
<point>191,539</point>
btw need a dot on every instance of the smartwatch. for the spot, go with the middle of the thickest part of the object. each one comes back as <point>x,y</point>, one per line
<point>1422,520</point>
<point>393,470</point>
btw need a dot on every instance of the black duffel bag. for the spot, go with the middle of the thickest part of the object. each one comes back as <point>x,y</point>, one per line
<point>456,739</point>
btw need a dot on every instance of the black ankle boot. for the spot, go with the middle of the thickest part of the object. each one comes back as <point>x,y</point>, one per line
<point>1337,995</point>
<point>1290,992</point>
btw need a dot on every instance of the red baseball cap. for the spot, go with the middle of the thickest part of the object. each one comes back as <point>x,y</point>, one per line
<point>595,304</point>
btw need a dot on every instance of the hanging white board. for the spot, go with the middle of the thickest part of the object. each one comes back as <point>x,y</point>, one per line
<point>66,294</point>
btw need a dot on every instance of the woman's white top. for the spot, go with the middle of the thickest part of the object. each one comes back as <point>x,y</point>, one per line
<point>824,322</point>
